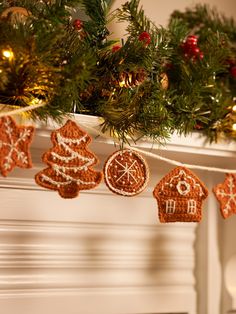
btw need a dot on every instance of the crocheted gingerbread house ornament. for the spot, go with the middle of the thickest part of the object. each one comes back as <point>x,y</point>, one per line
<point>226,195</point>
<point>14,145</point>
<point>69,162</point>
<point>126,172</point>
<point>179,196</point>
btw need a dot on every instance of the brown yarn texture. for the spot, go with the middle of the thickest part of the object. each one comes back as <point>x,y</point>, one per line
<point>126,173</point>
<point>179,196</point>
<point>14,145</point>
<point>70,162</point>
<point>226,195</point>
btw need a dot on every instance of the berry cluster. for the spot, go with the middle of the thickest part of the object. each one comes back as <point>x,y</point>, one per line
<point>78,24</point>
<point>191,49</point>
<point>145,38</point>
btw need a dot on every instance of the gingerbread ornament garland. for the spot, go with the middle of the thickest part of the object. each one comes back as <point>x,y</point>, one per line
<point>69,162</point>
<point>126,173</point>
<point>226,195</point>
<point>179,196</point>
<point>14,145</point>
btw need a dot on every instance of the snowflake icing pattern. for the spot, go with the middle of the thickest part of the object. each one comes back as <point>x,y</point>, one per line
<point>127,170</point>
<point>226,195</point>
<point>14,145</point>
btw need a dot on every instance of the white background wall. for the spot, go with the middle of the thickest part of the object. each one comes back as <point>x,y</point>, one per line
<point>159,10</point>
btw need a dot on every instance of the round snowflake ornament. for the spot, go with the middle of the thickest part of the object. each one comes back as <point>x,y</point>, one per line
<point>126,173</point>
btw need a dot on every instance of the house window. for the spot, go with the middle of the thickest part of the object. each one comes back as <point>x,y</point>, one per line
<point>192,207</point>
<point>170,206</point>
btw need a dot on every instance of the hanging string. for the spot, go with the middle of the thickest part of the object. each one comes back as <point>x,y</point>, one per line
<point>21,110</point>
<point>177,163</point>
<point>158,157</point>
<point>144,152</point>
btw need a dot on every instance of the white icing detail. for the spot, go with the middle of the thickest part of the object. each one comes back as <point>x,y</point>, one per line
<point>21,156</point>
<point>231,195</point>
<point>74,156</point>
<point>192,207</point>
<point>170,206</point>
<point>183,187</point>
<point>66,140</point>
<point>182,175</point>
<point>127,170</point>
<point>68,178</point>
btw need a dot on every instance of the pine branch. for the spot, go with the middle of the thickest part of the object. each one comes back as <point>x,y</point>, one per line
<point>203,17</point>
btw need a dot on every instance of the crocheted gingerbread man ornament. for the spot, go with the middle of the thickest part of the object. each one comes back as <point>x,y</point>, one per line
<point>69,162</point>
<point>126,172</point>
<point>179,196</point>
<point>226,195</point>
<point>14,145</point>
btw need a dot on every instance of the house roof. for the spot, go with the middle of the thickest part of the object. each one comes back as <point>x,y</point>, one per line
<point>181,182</point>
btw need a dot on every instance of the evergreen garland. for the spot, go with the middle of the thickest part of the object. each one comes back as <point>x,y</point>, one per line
<point>152,84</point>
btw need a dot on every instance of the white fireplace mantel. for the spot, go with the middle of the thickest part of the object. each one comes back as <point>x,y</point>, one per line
<point>107,254</point>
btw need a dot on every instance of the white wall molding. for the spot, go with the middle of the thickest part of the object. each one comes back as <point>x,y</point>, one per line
<point>123,268</point>
<point>77,255</point>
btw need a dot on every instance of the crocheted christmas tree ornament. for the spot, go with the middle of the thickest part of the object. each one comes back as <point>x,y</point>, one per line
<point>70,162</point>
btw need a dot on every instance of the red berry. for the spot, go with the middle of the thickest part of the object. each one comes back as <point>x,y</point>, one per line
<point>195,51</point>
<point>201,55</point>
<point>169,66</point>
<point>115,48</point>
<point>231,62</point>
<point>191,40</point>
<point>233,71</point>
<point>145,37</point>
<point>78,24</point>
<point>198,126</point>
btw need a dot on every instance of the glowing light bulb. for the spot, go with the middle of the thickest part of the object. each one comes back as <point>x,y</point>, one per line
<point>234,108</point>
<point>122,83</point>
<point>8,54</point>
<point>234,127</point>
